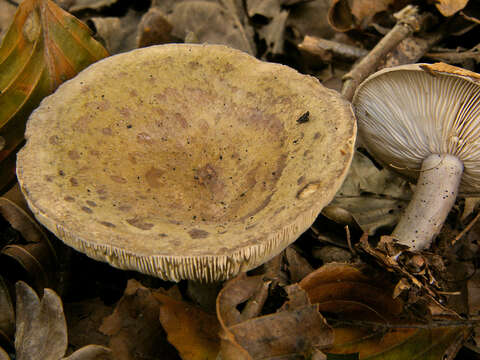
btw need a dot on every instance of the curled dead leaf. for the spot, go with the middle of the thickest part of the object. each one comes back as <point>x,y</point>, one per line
<point>41,330</point>
<point>367,318</point>
<point>192,331</point>
<point>369,197</point>
<point>133,327</point>
<point>7,315</point>
<point>154,28</point>
<point>36,255</point>
<point>209,22</point>
<point>119,34</point>
<point>295,329</point>
<point>345,15</point>
<point>450,7</point>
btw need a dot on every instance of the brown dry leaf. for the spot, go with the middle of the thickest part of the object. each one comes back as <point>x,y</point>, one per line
<point>366,319</point>
<point>295,330</point>
<point>450,7</point>
<point>345,15</point>
<point>337,285</point>
<point>237,8</point>
<point>7,11</point>
<point>274,33</point>
<point>154,28</point>
<point>473,299</point>
<point>4,355</point>
<point>209,22</point>
<point>192,331</point>
<point>269,12</point>
<point>373,198</point>
<point>440,67</point>
<point>91,352</point>
<point>43,47</point>
<point>83,320</point>
<point>134,330</point>
<point>36,256</point>
<point>264,8</point>
<point>41,330</point>
<point>119,34</point>
<point>298,266</point>
<point>7,314</point>
<point>310,18</point>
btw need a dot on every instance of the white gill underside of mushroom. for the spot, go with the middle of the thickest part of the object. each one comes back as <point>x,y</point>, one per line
<point>424,127</point>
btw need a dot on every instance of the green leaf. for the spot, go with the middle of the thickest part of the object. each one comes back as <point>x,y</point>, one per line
<point>43,47</point>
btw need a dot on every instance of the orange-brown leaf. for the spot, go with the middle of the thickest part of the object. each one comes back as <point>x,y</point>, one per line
<point>191,330</point>
<point>43,47</point>
<point>367,318</point>
<point>450,7</point>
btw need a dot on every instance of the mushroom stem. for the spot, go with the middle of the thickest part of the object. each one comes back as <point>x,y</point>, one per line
<point>436,191</point>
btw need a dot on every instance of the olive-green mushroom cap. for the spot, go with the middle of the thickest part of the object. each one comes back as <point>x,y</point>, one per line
<point>185,161</point>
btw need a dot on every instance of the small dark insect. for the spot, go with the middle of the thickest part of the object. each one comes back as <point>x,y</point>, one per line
<point>304,118</point>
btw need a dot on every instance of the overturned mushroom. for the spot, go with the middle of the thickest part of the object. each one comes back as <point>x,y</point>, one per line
<point>423,121</point>
<point>185,161</point>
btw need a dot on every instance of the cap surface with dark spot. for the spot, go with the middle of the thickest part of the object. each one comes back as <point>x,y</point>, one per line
<point>182,161</point>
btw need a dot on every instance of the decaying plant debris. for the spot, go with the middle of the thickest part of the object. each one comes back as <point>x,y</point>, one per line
<point>344,288</point>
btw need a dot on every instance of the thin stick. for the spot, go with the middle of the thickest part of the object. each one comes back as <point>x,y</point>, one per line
<point>349,240</point>
<point>467,228</point>
<point>455,56</point>
<point>408,22</point>
<point>319,46</point>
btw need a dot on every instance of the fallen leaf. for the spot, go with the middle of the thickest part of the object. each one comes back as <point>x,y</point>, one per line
<point>270,20</point>
<point>298,266</point>
<point>34,254</point>
<point>471,203</point>
<point>83,320</point>
<point>7,11</point>
<point>43,47</point>
<point>91,352</point>
<point>450,7</point>
<point>310,18</point>
<point>367,319</point>
<point>274,34</point>
<point>237,8</point>
<point>119,34</point>
<point>4,355</point>
<point>7,315</point>
<point>295,330</point>
<point>134,329</point>
<point>264,8</point>
<point>192,331</point>
<point>203,294</point>
<point>374,198</point>
<point>210,22</point>
<point>41,330</point>
<point>473,299</point>
<point>154,29</point>
<point>345,15</point>
<point>342,284</point>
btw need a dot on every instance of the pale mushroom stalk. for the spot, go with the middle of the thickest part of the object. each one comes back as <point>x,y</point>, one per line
<point>435,194</point>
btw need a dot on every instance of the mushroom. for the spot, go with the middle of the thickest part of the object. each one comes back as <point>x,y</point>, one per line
<point>185,161</point>
<point>423,121</point>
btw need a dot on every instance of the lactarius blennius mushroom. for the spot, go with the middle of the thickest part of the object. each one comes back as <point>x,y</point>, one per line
<point>185,161</point>
<point>423,121</point>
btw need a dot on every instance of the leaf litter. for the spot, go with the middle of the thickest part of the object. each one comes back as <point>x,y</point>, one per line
<point>300,305</point>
